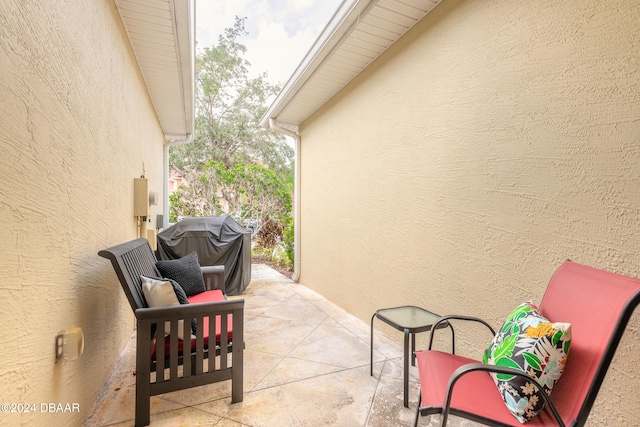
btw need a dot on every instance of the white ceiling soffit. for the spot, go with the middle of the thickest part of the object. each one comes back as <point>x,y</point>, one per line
<point>162,36</point>
<point>359,32</point>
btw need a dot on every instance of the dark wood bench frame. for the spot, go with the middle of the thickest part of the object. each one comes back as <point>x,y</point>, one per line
<point>131,260</point>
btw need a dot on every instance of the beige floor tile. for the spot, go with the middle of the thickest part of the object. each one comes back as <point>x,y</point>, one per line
<point>253,312</point>
<point>202,394</point>
<point>230,423</point>
<point>388,404</point>
<point>339,399</point>
<point>119,407</point>
<point>385,345</point>
<point>305,292</point>
<point>291,369</point>
<point>395,368</point>
<point>257,365</point>
<point>262,272</point>
<point>297,309</point>
<point>306,363</point>
<point>329,308</point>
<point>184,417</point>
<point>276,336</point>
<point>334,346</point>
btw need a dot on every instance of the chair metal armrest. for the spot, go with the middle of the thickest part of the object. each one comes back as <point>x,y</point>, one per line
<point>455,317</point>
<point>473,367</point>
<point>213,276</point>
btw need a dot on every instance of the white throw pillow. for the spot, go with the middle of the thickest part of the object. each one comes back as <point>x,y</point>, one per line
<point>161,294</point>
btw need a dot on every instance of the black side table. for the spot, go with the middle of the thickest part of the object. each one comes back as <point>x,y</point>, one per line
<point>411,320</point>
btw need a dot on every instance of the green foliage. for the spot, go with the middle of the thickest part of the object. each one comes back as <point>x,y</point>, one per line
<point>275,254</point>
<point>197,199</point>
<point>288,240</point>
<point>229,105</point>
<point>176,206</point>
<point>252,191</point>
<point>233,165</point>
<point>269,234</point>
<point>274,242</point>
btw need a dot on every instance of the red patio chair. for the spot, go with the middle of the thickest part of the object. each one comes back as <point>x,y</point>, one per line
<point>598,305</point>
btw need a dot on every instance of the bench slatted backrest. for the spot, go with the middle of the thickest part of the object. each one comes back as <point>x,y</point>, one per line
<point>131,260</point>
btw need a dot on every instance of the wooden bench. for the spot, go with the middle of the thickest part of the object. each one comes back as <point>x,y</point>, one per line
<point>164,368</point>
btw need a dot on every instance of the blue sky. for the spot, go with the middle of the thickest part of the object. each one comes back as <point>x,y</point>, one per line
<point>280,31</point>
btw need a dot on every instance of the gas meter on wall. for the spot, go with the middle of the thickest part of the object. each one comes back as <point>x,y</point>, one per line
<point>142,200</point>
<point>141,197</point>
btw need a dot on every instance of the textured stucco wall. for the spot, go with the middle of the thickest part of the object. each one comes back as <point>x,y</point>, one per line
<point>493,141</point>
<point>76,127</point>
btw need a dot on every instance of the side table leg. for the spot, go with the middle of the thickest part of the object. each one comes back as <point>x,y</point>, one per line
<point>413,349</point>
<point>406,368</point>
<point>371,360</point>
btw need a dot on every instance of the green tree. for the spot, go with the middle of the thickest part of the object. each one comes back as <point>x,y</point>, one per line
<point>232,159</point>
<point>229,105</point>
<point>252,191</point>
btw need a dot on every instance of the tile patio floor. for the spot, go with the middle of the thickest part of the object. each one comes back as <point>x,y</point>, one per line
<point>306,364</point>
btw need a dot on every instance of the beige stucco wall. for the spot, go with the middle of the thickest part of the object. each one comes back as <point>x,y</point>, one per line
<point>76,128</point>
<point>493,141</point>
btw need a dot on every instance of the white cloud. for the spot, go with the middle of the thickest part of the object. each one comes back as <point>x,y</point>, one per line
<point>281,32</point>
<point>277,52</point>
<point>301,5</point>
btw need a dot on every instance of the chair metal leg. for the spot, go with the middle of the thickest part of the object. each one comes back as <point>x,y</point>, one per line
<point>443,418</point>
<point>415,423</point>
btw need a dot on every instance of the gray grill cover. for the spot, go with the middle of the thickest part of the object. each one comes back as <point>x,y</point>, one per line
<point>218,240</point>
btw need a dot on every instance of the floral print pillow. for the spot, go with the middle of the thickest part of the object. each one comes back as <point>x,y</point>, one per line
<point>528,342</point>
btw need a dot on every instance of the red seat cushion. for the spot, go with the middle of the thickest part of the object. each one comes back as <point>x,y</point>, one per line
<point>474,393</point>
<point>208,296</point>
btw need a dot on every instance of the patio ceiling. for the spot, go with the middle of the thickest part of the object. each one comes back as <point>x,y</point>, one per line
<point>359,32</point>
<point>162,36</point>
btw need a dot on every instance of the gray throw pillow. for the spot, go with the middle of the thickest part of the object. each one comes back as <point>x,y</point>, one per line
<point>186,271</point>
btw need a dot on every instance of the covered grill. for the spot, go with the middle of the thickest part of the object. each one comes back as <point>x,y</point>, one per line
<point>217,240</point>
